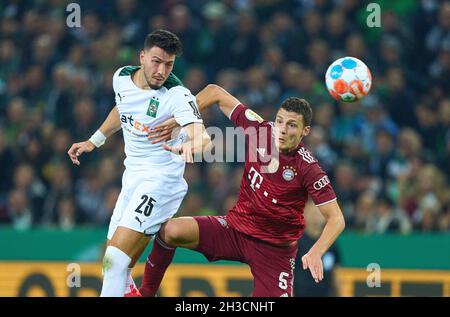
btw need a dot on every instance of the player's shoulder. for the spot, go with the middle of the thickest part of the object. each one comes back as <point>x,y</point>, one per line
<point>251,115</point>
<point>305,156</point>
<point>121,77</point>
<point>125,71</point>
<point>173,82</point>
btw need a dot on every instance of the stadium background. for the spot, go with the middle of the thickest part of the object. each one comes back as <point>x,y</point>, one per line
<point>388,156</point>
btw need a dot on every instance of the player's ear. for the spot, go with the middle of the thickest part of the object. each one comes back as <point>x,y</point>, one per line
<point>141,57</point>
<point>306,130</point>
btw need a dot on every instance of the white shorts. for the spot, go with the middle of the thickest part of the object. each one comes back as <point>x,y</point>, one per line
<point>145,203</point>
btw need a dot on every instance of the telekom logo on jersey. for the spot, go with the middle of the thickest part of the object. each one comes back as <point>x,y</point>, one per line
<point>255,178</point>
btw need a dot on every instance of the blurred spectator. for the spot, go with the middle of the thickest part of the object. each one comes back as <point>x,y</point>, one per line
<point>318,144</point>
<point>348,124</point>
<point>428,124</point>
<point>182,23</point>
<point>337,31</point>
<point>103,216</point>
<point>89,196</point>
<point>7,162</point>
<point>212,48</point>
<point>19,210</point>
<point>27,182</point>
<point>245,44</point>
<point>376,118</point>
<point>343,183</point>
<point>195,80</point>
<point>15,120</point>
<point>84,119</point>
<point>386,218</point>
<point>128,16</point>
<point>441,31</point>
<point>383,153</point>
<point>66,213</point>
<point>60,186</point>
<point>260,90</point>
<point>398,98</point>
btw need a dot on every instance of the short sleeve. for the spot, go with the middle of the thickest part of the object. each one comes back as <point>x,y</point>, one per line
<point>115,85</point>
<point>184,106</point>
<point>244,117</point>
<point>317,183</point>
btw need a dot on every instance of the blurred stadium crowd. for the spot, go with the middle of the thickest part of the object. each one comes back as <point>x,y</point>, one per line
<point>388,156</point>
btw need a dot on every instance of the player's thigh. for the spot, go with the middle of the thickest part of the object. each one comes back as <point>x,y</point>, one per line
<point>119,209</point>
<point>181,232</point>
<point>273,271</point>
<point>217,240</point>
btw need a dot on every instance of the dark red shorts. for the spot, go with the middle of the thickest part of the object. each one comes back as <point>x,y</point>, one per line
<point>272,267</point>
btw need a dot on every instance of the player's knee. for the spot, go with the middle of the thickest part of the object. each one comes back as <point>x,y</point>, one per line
<point>115,261</point>
<point>172,233</point>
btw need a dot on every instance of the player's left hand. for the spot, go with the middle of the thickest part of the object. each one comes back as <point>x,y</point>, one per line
<point>184,150</point>
<point>313,261</point>
<point>163,132</point>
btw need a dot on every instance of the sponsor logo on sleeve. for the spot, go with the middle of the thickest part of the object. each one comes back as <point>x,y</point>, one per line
<point>321,183</point>
<point>253,116</point>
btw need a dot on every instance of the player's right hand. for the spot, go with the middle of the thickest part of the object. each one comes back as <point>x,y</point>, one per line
<point>313,261</point>
<point>184,150</point>
<point>79,148</point>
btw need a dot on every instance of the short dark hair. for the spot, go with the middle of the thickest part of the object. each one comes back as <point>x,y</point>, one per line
<point>300,106</point>
<point>164,39</point>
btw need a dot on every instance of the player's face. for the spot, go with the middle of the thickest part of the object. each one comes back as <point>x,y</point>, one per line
<point>157,65</point>
<point>289,130</point>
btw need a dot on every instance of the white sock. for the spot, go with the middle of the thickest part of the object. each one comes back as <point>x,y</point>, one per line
<point>115,265</point>
<point>130,282</point>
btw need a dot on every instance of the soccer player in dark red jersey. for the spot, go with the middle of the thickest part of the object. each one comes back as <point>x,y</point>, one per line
<point>263,227</point>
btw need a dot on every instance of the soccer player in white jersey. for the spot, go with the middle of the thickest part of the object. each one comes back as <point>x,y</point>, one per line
<point>152,185</point>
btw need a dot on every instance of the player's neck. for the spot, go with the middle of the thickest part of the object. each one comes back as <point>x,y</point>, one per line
<point>287,151</point>
<point>139,80</point>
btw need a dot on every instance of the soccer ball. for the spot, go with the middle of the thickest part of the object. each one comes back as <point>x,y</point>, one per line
<point>348,79</point>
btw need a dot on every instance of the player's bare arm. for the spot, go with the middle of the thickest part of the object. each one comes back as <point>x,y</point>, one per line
<point>198,141</point>
<point>110,126</point>
<point>335,224</point>
<point>213,94</point>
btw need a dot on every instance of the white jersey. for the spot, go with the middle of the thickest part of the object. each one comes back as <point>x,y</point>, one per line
<point>140,110</point>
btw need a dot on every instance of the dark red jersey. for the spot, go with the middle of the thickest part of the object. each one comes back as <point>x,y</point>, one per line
<point>275,187</point>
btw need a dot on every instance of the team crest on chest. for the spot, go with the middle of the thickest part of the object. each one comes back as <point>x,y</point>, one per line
<point>153,107</point>
<point>289,172</point>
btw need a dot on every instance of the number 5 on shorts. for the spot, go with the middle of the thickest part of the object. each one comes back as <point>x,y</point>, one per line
<point>148,208</point>
<point>283,284</point>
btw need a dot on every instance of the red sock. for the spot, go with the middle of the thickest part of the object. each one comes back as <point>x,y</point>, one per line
<point>157,262</point>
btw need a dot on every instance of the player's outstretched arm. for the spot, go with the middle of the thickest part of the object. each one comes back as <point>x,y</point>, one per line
<point>213,94</point>
<point>335,224</point>
<point>108,128</point>
<point>210,95</point>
